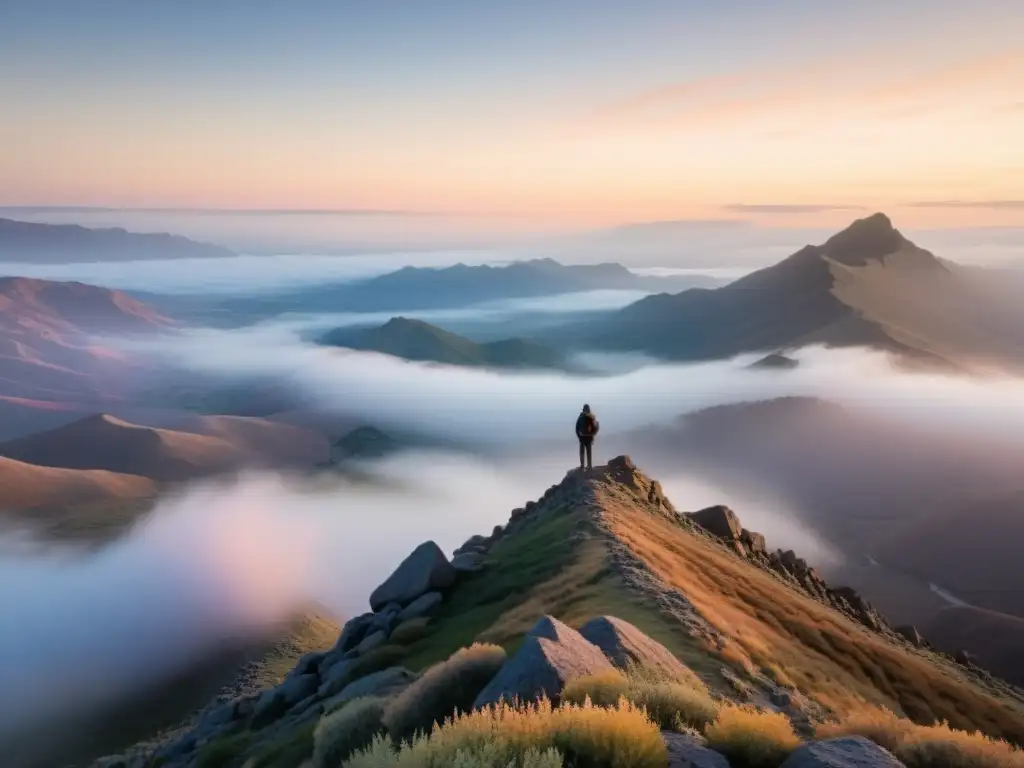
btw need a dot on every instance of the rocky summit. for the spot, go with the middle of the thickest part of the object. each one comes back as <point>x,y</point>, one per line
<point>604,582</point>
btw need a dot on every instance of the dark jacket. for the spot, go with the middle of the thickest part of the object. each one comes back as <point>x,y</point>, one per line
<point>587,426</point>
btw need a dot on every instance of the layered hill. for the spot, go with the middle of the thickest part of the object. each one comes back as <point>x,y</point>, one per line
<point>417,340</point>
<point>35,243</point>
<point>201,445</point>
<point>46,349</point>
<point>866,286</point>
<point>604,551</point>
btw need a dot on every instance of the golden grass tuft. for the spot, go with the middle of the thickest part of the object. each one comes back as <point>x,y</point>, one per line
<point>751,738</point>
<point>925,746</point>
<point>670,704</point>
<point>618,737</point>
<point>444,689</point>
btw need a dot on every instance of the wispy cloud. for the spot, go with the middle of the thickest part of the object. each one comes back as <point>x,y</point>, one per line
<point>995,205</point>
<point>789,208</point>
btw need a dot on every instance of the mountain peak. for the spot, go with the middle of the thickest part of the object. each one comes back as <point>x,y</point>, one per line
<point>869,239</point>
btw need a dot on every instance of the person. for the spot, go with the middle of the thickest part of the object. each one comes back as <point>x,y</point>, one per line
<point>586,430</point>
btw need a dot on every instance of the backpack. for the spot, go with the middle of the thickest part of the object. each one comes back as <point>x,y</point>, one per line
<point>587,425</point>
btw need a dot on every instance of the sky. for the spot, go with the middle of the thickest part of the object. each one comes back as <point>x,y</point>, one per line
<point>558,113</point>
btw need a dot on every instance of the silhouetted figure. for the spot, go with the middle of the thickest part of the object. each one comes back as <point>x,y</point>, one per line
<point>586,430</point>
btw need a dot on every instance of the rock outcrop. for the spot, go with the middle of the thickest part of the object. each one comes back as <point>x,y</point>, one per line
<point>848,752</point>
<point>425,570</point>
<point>624,646</point>
<point>551,655</point>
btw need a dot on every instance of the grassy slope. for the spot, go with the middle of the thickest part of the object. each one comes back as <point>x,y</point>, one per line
<point>766,625</point>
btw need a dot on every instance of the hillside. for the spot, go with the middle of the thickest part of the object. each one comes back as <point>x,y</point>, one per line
<point>103,442</point>
<point>231,671</point>
<point>750,625</point>
<point>865,286</point>
<point>45,347</point>
<point>417,340</point>
<point>34,243</point>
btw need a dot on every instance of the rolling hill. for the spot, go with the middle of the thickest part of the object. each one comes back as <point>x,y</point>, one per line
<point>417,340</point>
<point>200,445</point>
<point>46,350</point>
<point>35,243</point>
<point>865,286</point>
<point>752,626</point>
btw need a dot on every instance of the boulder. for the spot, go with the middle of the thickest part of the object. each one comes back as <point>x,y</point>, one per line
<point>353,632</point>
<point>468,562</point>
<point>754,542</point>
<point>684,751</point>
<point>847,752</point>
<point>473,544</point>
<point>298,688</point>
<point>384,682</point>
<point>719,521</point>
<point>270,706</point>
<point>551,654</point>
<point>911,635</point>
<point>623,645</point>
<point>421,606</point>
<point>426,569</point>
<point>371,641</point>
<point>337,677</point>
<point>384,621</point>
<point>309,664</point>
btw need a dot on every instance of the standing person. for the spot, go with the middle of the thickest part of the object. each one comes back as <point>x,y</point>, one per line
<point>586,430</point>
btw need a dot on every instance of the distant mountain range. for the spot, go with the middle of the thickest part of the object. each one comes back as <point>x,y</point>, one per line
<point>865,286</point>
<point>417,340</point>
<point>34,243</point>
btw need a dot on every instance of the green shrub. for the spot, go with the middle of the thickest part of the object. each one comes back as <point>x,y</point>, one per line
<point>350,728</point>
<point>443,689</point>
<point>410,631</point>
<point>224,751</point>
<point>751,738</point>
<point>588,737</point>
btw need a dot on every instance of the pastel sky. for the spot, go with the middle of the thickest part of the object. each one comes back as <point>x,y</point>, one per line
<point>585,111</point>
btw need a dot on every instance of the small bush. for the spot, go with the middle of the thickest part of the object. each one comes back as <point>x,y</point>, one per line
<point>926,746</point>
<point>670,704</point>
<point>594,737</point>
<point>409,631</point>
<point>603,689</point>
<point>443,689</point>
<point>750,738</point>
<point>350,728</point>
<point>223,751</point>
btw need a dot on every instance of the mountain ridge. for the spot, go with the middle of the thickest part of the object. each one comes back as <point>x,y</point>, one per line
<point>607,542</point>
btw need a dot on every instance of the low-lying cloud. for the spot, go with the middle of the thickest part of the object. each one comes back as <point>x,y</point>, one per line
<point>502,409</point>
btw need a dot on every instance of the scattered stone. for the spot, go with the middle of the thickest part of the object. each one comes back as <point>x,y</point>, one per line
<point>497,533</point>
<point>421,606</point>
<point>353,632</point>
<point>847,752</point>
<point>780,697</point>
<point>685,751</point>
<point>964,657</point>
<point>426,569</point>
<point>551,654</point>
<point>719,521</point>
<point>371,641</point>
<point>623,645</point>
<point>910,634</point>
<point>468,562</point>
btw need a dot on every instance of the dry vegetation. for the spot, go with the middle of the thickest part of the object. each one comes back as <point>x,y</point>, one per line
<point>350,728</point>
<point>825,655</point>
<point>619,737</point>
<point>751,738</point>
<point>670,704</point>
<point>443,690</point>
<point>925,746</point>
